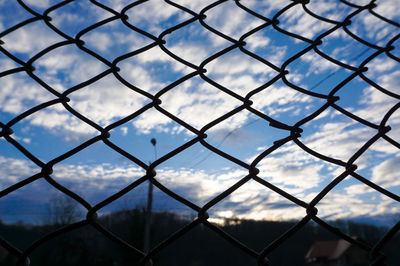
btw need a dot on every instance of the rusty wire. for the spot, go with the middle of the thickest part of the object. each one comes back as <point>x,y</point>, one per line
<point>293,131</point>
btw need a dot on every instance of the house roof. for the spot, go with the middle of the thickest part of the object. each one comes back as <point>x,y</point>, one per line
<point>329,249</point>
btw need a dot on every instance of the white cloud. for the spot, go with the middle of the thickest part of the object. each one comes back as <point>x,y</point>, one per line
<point>388,8</point>
<point>25,40</point>
<point>196,6</point>
<point>329,9</point>
<point>358,189</point>
<point>106,100</point>
<point>379,65</point>
<point>297,21</point>
<point>19,93</point>
<point>199,103</point>
<point>38,3</point>
<point>293,169</point>
<point>190,51</point>
<point>99,40</point>
<point>67,66</point>
<point>15,170</point>
<point>341,206</point>
<point>124,131</point>
<point>61,121</point>
<point>338,139</point>
<point>317,63</point>
<point>256,41</point>
<point>266,8</point>
<point>220,19</point>
<point>159,19</point>
<point>386,174</point>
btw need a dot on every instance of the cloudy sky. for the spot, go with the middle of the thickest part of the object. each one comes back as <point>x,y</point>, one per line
<point>196,173</point>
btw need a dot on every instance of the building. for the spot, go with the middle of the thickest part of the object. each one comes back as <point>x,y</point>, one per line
<point>336,253</point>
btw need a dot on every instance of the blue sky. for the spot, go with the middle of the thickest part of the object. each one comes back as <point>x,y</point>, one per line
<point>197,174</point>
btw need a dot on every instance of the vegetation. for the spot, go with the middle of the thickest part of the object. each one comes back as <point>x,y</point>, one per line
<point>200,246</point>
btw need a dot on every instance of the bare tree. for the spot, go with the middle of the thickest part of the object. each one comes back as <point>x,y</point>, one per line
<point>62,210</point>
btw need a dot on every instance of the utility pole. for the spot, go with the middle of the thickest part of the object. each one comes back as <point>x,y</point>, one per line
<point>146,245</point>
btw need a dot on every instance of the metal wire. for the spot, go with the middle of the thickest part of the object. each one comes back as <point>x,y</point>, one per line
<point>293,131</point>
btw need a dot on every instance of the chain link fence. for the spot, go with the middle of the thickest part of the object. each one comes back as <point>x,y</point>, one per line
<point>294,130</point>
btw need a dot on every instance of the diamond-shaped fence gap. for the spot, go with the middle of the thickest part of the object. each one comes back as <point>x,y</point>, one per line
<point>253,201</point>
<point>285,104</point>
<point>98,101</point>
<point>338,138</point>
<point>198,101</point>
<point>244,135</point>
<point>198,186</point>
<point>295,171</point>
<point>19,93</point>
<point>194,43</point>
<point>161,17</point>
<point>380,165</point>
<point>297,21</point>
<point>138,133</point>
<point>96,173</point>
<point>366,101</point>
<point>76,16</point>
<point>219,16</point>
<point>114,39</point>
<point>277,51</point>
<point>52,131</point>
<point>239,72</point>
<point>210,244</point>
<point>67,66</point>
<point>315,74</point>
<point>24,42</point>
<point>152,70</point>
<point>372,29</point>
<point>338,44</point>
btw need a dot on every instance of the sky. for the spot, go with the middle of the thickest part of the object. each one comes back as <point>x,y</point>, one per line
<point>196,173</point>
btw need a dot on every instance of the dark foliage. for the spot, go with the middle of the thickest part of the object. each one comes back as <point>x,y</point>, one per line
<point>201,246</point>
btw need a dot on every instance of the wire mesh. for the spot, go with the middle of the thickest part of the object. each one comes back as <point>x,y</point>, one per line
<point>294,130</point>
